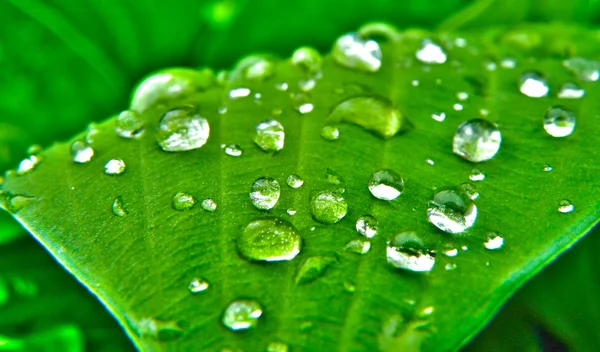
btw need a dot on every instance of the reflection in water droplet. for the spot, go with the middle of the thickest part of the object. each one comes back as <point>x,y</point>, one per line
<point>565,206</point>
<point>307,59</point>
<point>233,150</point>
<point>477,140</point>
<point>386,184</point>
<point>476,175</point>
<point>183,201</point>
<point>242,314</point>
<point>237,93</point>
<point>182,129</point>
<point>129,124</point>
<point>533,85</point>
<point>115,167</point>
<point>277,346</point>
<point>431,53</point>
<point>313,267</point>
<point>328,207</point>
<point>330,133</point>
<point>269,239</point>
<point>559,122</point>
<point>407,251</point>
<point>81,152</point>
<point>351,51</point>
<point>360,246</point>
<point>197,285</point>
<point>265,193</point>
<point>494,241</point>
<point>586,70</point>
<point>270,136</point>
<point>451,210</point>
<point>367,226</point>
<point>570,90</point>
<point>209,205</point>
<point>294,181</point>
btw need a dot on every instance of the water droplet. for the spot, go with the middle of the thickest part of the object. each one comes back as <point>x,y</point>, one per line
<point>277,346</point>
<point>476,175</point>
<point>28,164</point>
<point>378,29</point>
<point>328,207</point>
<point>307,59</point>
<point>373,113</point>
<point>265,193</point>
<point>129,124</point>
<point>183,201</point>
<point>330,133</point>
<point>407,251</point>
<point>494,241</point>
<point>451,210</point>
<point>14,202</point>
<point>118,207</point>
<point>349,287</point>
<point>586,70</point>
<point>209,205</point>
<point>470,190</point>
<point>462,96</point>
<point>237,93</point>
<point>367,226</point>
<point>233,150</point>
<point>270,136</point>
<point>565,206</point>
<point>34,149</point>
<point>269,239</point>
<point>313,267</point>
<point>291,212</point>
<point>464,248</point>
<point>431,53</point>
<point>360,246</point>
<point>450,266</point>
<point>294,181</point>
<point>508,63</point>
<point>533,85</point>
<point>282,86</point>
<point>81,152</point>
<point>197,285</point>
<point>162,330</point>
<point>570,90</point>
<point>429,161</point>
<point>351,51</point>
<point>450,252</point>
<point>548,168</point>
<point>477,140</point>
<point>114,167</point>
<point>253,67</point>
<point>457,107</point>
<point>386,184</point>
<point>439,116</point>
<point>415,82</point>
<point>559,122</point>
<point>306,85</point>
<point>491,66</point>
<point>334,178</point>
<point>242,314</point>
<point>182,129</point>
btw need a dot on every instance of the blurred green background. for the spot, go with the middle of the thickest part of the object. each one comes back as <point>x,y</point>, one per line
<point>66,63</point>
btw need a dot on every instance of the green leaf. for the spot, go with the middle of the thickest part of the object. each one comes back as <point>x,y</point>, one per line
<point>121,236</point>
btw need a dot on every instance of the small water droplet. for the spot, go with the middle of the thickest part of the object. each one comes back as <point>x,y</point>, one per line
<point>278,346</point>
<point>351,51</point>
<point>415,82</point>
<point>559,122</point>
<point>294,181</point>
<point>237,93</point>
<point>242,314</point>
<point>360,246</point>
<point>439,116</point>
<point>306,85</point>
<point>253,67</point>
<point>477,140</point>
<point>491,66</point>
<point>28,164</point>
<point>429,161</point>
<point>367,226</point>
<point>265,193</point>
<point>450,252</point>
<point>407,251</point>
<point>451,210</point>
<point>182,129</point>
<point>129,124</point>
<point>470,190</point>
<point>291,212</point>
<point>586,70</point>
<point>493,241</point>
<point>162,330</point>
<point>197,285</point>
<point>349,287</point>
<point>457,107</point>
<point>330,133</point>
<point>334,178</point>
<point>431,53</point>
<point>328,207</point>
<point>183,201</point>
<point>508,63</point>
<point>209,205</point>
<point>548,168</point>
<point>533,85</point>
<point>565,206</point>
<point>269,239</point>
<point>282,86</point>
<point>307,59</point>
<point>118,207</point>
<point>570,90</point>
<point>462,96</point>
<point>476,175</point>
<point>313,267</point>
<point>14,202</point>
<point>484,112</point>
<point>233,150</point>
<point>222,110</point>
<point>450,266</point>
<point>427,311</point>
<point>386,184</point>
<point>464,248</point>
<point>81,152</point>
<point>114,167</point>
<point>378,30</point>
<point>270,136</point>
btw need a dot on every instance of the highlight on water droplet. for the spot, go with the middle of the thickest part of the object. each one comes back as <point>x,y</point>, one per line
<point>476,175</point>
<point>294,181</point>
<point>407,251</point>
<point>269,239</point>
<point>242,314</point>
<point>182,129</point>
<point>351,51</point>
<point>367,226</point>
<point>28,164</point>
<point>533,84</point>
<point>115,167</point>
<point>209,205</point>
<point>313,268</point>
<point>386,184</point>
<point>452,210</point>
<point>565,206</point>
<point>493,241</point>
<point>118,207</point>
<point>330,133</point>
<point>198,285</point>
<point>233,150</point>
<point>548,168</point>
<point>559,122</point>
<point>81,152</point>
<point>265,193</point>
<point>328,207</point>
<point>129,124</point>
<point>360,246</point>
<point>240,92</point>
<point>183,201</point>
<point>270,136</point>
<point>431,53</point>
<point>477,140</point>
<point>584,69</point>
<point>570,90</point>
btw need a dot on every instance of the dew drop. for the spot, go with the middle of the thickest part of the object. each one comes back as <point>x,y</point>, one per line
<point>559,122</point>
<point>462,96</point>
<point>209,205</point>
<point>457,107</point>
<point>470,190</point>
<point>331,133</point>
<point>233,150</point>
<point>508,63</point>
<point>182,129</point>
<point>118,207</point>
<point>415,82</point>
<point>183,201</point>
<point>439,116</point>
<point>367,226</point>
<point>351,51</point>
<point>14,202</point>
<point>81,152</point>
<point>565,206</point>
<point>277,346</point>
<point>450,252</point>
<point>360,246</point>
<point>386,184</point>
<point>407,251</point>
<point>476,175</point>
<point>586,70</point>
<point>291,212</point>
<point>450,266</point>
<point>265,193</point>
<point>349,287</point>
<point>242,314</point>
<point>452,210</point>
<point>237,93</point>
<point>570,90</point>
<point>477,140</point>
<point>313,267</point>
<point>28,164</point>
<point>162,330</point>
<point>269,239</point>
<point>493,241</point>
<point>334,178</point>
<point>114,167</point>
<point>253,67</point>
<point>282,86</point>
<point>307,59</point>
<point>129,124</point>
<point>328,207</point>
<point>533,85</point>
<point>429,161</point>
<point>431,53</point>
<point>197,285</point>
<point>294,181</point>
<point>548,168</point>
<point>269,136</point>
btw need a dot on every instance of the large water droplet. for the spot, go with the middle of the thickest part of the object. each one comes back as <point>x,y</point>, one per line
<point>182,129</point>
<point>360,246</point>
<point>129,124</point>
<point>331,133</point>
<point>183,201</point>
<point>269,239</point>
<point>367,226</point>
<point>570,90</point>
<point>253,67</point>
<point>493,241</point>
<point>351,51</point>
<point>313,267</point>
<point>328,207</point>
<point>233,150</point>
<point>407,251</point>
<point>209,205</point>
<point>452,210</point>
<point>586,70</point>
<point>278,346</point>
<point>533,85</point>
<point>565,206</point>
<point>307,59</point>
<point>386,184</point>
<point>115,167</point>
<point>559,122</point>
<point>118,207</point>
<point>477,140</point>
<point>242,314</point>
<point>81,152</point>
<point>265,193</point>
<point>270,136</point>
<point>373,113</point>
<point>431,53</point>
<point>294,181</point>
<point>197,285</point>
